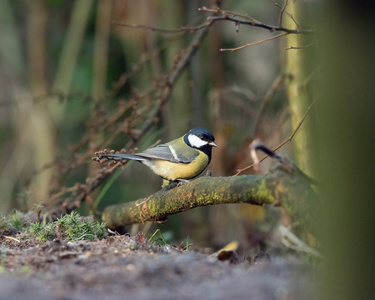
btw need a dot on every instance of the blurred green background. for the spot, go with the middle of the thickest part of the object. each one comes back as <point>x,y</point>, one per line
<point>67,69</point>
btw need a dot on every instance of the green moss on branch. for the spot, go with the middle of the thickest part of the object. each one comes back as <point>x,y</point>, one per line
<point>289,189</point>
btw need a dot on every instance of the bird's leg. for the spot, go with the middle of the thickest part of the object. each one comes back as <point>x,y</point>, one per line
<point>165,183</point>
<point>168,184</point>
<point>181,181</point>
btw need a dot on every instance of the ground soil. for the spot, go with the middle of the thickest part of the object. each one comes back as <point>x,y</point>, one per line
<point>124,267</point>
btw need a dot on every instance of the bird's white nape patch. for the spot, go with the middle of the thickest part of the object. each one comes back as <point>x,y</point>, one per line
<point>195,141</point>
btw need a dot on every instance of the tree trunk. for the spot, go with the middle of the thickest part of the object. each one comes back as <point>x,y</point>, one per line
<point>297,57</point>
<point>344,144</point>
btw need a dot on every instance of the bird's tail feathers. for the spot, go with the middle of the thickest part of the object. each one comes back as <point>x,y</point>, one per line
<point>119,157</point>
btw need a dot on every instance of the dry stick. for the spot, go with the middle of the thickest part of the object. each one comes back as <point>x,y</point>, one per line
<point>252,22</point>
<point>300,47</point>
<point>228,12</point>
<point>289,139</point>
<point>169,31</point>
<point>282,13</point>
<point>211,19</point>
<point>255,43</point>
<point>287,13</point>
<point>271,28</point>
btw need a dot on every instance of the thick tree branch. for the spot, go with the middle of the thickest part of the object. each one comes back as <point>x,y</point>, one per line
<point>280,187</point>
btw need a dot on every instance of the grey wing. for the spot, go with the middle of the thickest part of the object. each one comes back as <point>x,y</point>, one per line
<point>164,152</point>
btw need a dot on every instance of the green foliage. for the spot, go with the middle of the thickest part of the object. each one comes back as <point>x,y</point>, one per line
<point>15,222</point>
<point>3,222</point>
<point>157,241</point>
<point>43,232</point>
<point>69,227</point>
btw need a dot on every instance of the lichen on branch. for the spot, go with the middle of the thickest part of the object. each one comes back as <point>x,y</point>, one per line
<point>279,187</point>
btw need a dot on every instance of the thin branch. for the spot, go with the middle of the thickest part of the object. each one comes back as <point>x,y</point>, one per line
<point>303,119</point>
<point>300,47</point>
<point>250,21</point>
<point>289,139</point>
<point>286,12</point>
<point>225,16</point>
<point>282,13</point>
<point>229,12</point>
<point>168,31</point>
<point>271,28</point>
<point>255,43</point>
<point>172,78</point>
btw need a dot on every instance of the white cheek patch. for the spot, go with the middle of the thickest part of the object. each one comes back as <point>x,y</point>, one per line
<point>196,141</point>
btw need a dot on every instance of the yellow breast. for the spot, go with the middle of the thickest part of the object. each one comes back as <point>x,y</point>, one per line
<point>173,171</point>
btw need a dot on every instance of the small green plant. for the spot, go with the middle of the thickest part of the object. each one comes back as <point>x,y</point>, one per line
<point>16,221</point>
<point>159,241</point>
<point>12,223</point>
<point>4,225</point>
<point>69,227</point>
<point>75,229</point>
<point>35,228</point>
<point>47,233</point>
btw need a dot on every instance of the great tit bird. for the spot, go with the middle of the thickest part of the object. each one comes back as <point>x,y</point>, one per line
<point>179,160</point>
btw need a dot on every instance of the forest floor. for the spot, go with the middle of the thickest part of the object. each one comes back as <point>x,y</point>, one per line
<point>125,267</point>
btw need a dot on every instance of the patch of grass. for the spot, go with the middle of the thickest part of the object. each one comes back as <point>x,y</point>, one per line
<point>69,227</point>
<point>17,221</point>
<point>159,240</point>
<point>3,223</point>
<point>13,223</point>
<point>43,232</point>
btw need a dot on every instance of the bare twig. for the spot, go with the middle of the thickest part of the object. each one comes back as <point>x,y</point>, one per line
<point>168,31</point>
<point>303,119</point>
<point>289,139</point>
<point>300,47</point>
<point>271,28</point>
<point>287,13</point>
<point>225,16</point>
<point>255,43</point>
<point>228,12</point>
<point>282,13</point>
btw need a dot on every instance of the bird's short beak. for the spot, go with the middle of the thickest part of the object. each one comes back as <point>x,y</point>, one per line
<point>212,144</point>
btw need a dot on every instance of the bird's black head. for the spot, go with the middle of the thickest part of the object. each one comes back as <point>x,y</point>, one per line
<point>200,138</point>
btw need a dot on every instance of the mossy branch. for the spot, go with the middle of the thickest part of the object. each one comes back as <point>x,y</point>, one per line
<point>279,187</point>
